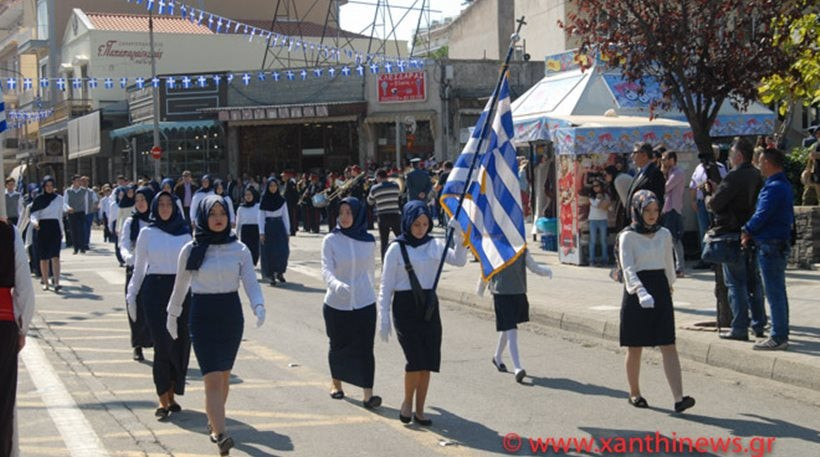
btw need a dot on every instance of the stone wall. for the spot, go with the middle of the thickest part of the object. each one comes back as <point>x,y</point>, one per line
<point>806,251</point>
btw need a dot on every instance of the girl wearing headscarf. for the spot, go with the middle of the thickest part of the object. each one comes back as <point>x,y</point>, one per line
<point>156,255</point>
<point>274,229</point>
<point>167,185</point>
<point>247,221</point>
<point>211,266</point>
<point>125,207</point>
<point>16,311</point>
<point>645,253</point>
<point>219,189</point>
<point>140,336</point>
<point>47,219</point>
<point>420,338</point>
<point>206,188</point>
<point>348,268</point>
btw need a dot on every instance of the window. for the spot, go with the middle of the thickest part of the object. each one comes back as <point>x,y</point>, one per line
<point>42,19</point>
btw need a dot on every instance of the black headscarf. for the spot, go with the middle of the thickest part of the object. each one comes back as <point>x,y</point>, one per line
<point>126,201</point>
<point>217,184</point>
<point>413,210</point>
<point>253,192</point>
<point>154,186</point>
<point>176,225</point>
<point>166,181</point>
<point>640,200</point>
<point>202,187</point>
<point>148,193</point>
<point>44,199</point>
<point>203,236</point>
<point>357,230</point>
<point>271,201</point>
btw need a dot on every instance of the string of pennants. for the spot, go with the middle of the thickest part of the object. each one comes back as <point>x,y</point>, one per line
<point>18,119</point>
<point>15,84</point>
<point>219,24</point>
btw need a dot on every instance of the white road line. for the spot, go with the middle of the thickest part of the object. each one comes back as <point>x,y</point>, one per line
<point>77,433</point>
<point>116,277</point>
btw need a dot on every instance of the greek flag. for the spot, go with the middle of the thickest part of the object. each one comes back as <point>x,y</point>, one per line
<point>3,124</point>
<point>492,216</point>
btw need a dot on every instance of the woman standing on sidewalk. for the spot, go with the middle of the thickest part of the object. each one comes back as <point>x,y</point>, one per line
<point>140,336</point>
<point>420,338</point>
<point>16,311</point>
<point>47,219</point>
<point>212,266</point>
<point>247,221</point>
<point>156,254</point>
<point>647,314</point>
<point>274,229</point>
<point>348,267</point>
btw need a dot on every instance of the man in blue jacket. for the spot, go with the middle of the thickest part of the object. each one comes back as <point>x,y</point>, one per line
<point>770,227</point>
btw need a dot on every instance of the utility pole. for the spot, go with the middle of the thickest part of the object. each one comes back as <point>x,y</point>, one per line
<point>155,93</point>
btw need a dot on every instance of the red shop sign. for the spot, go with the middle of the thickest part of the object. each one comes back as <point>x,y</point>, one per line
<point>402,87</point>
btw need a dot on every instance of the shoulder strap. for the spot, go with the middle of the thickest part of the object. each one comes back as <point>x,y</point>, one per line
<point>415,285</point>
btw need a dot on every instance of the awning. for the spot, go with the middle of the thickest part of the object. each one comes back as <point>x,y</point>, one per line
<point>84,136</point>
<point>147,127</point>
<point>389,117</point>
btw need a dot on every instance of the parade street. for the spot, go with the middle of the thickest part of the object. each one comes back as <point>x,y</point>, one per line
<point>80,394</point>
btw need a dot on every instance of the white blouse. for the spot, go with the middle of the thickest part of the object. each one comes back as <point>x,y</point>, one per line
<point>22,296</point>
<point>281,212</point>
<point>126,246</point>
<point>54,210</point>
<point>639,252</point>
<point>222,268</point>
<point>156,253</point>
<point>247,215</point>
<point>425,260</point>
<point>349,270</point>
<point>123,214</point>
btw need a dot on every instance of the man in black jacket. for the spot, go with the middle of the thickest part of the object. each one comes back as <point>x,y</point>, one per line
<point>733,202</point>
<point>649,176</point>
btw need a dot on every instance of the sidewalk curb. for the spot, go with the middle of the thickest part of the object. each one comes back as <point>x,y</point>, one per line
<point>761,364</point>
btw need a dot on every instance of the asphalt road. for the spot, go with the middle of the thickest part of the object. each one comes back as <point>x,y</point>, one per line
<point>80,394</point>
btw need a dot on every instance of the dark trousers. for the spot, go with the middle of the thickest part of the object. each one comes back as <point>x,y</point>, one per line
<point>312,219</point>
<point>13,220</point>
<point>186,212</point>
<point>293,214</point>
<point>76,221</point>
<point>388,223</point>
<point>8,383</point>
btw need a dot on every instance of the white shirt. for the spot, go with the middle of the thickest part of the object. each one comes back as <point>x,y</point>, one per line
<point>281,212</point>
<point>639,252</point>
<point>105,206</point>
<point>425,260</point>
<point>156,253</point>
<point>596,213</point>
<point>247,215</point>
<point>349,271</point>
<point>699,177</point>
<point>198,196</point>
<point>54,210</point>
<point>126,246</point>
<point>222,268</point>
<point>113,210</point>
<point>80,190</point>
<point>22,296</point>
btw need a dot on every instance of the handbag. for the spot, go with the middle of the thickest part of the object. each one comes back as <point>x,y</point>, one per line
<point>427,300</point>
<point>721,248</point>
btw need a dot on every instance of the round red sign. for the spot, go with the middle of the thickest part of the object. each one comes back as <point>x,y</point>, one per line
<point>156,152</point>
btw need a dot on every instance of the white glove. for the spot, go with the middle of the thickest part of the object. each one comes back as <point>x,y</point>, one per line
<point>171,326</point>
<point>385,328</point>
<point>645,300</point>
<point>456,226</point>
<point>343,290</point>
<point>259,311</point>
<point>132,311</point>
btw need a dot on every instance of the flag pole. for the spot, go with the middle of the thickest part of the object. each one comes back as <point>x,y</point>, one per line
<point>485,129</point>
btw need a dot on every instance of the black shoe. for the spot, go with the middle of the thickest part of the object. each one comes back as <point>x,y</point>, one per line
<point>499,366</point>
<point>58,288</point>
<point>734,336</point>
<point>337,395</point>
<point>701,265</point>
<point>280,277</point>
<point>273,282</point>
<point>138,354</point>
<point>224,443</point>
<point>161,413</point>
<point>638,402</point>
<point>684,404</point>
<point>373,402</point>
<point>422,422</point>
<point>404,419</point>
<point>520,375</point>
<point>175,408</point>
<point>760,334</point>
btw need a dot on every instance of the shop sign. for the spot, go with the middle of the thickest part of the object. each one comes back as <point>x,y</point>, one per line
<point>402,87</point>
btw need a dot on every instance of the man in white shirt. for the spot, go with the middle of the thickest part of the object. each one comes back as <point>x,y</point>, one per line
<point>707,166</point>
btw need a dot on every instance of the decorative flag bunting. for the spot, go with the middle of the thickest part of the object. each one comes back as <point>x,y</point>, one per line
<point>186,82</point>
<point>3,125</point>
<point>170,82</point>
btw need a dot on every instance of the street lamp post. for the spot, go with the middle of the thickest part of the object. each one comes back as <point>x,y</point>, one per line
<point>155,93</point>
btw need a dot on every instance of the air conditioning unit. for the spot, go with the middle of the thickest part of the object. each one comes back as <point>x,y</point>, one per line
<point>54,147</point>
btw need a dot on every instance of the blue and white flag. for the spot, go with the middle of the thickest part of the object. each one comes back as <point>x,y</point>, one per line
<point>3,124</point>
<point>492,215</point>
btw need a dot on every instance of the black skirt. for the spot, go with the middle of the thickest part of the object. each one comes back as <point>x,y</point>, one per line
<point>648,326</point>
<point>170,356</point>
<point>351,336</point>
<point>216,330</point>
<point>140,334</point>
<point>420,340</point>
<point>510,310</point>
<point>49,239</point>
<point>249,236</point>
<point>275,250</point>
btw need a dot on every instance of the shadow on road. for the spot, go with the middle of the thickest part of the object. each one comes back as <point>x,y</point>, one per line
<point>763,426</point>
<point>247,438</point>
<point>572,385</point>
